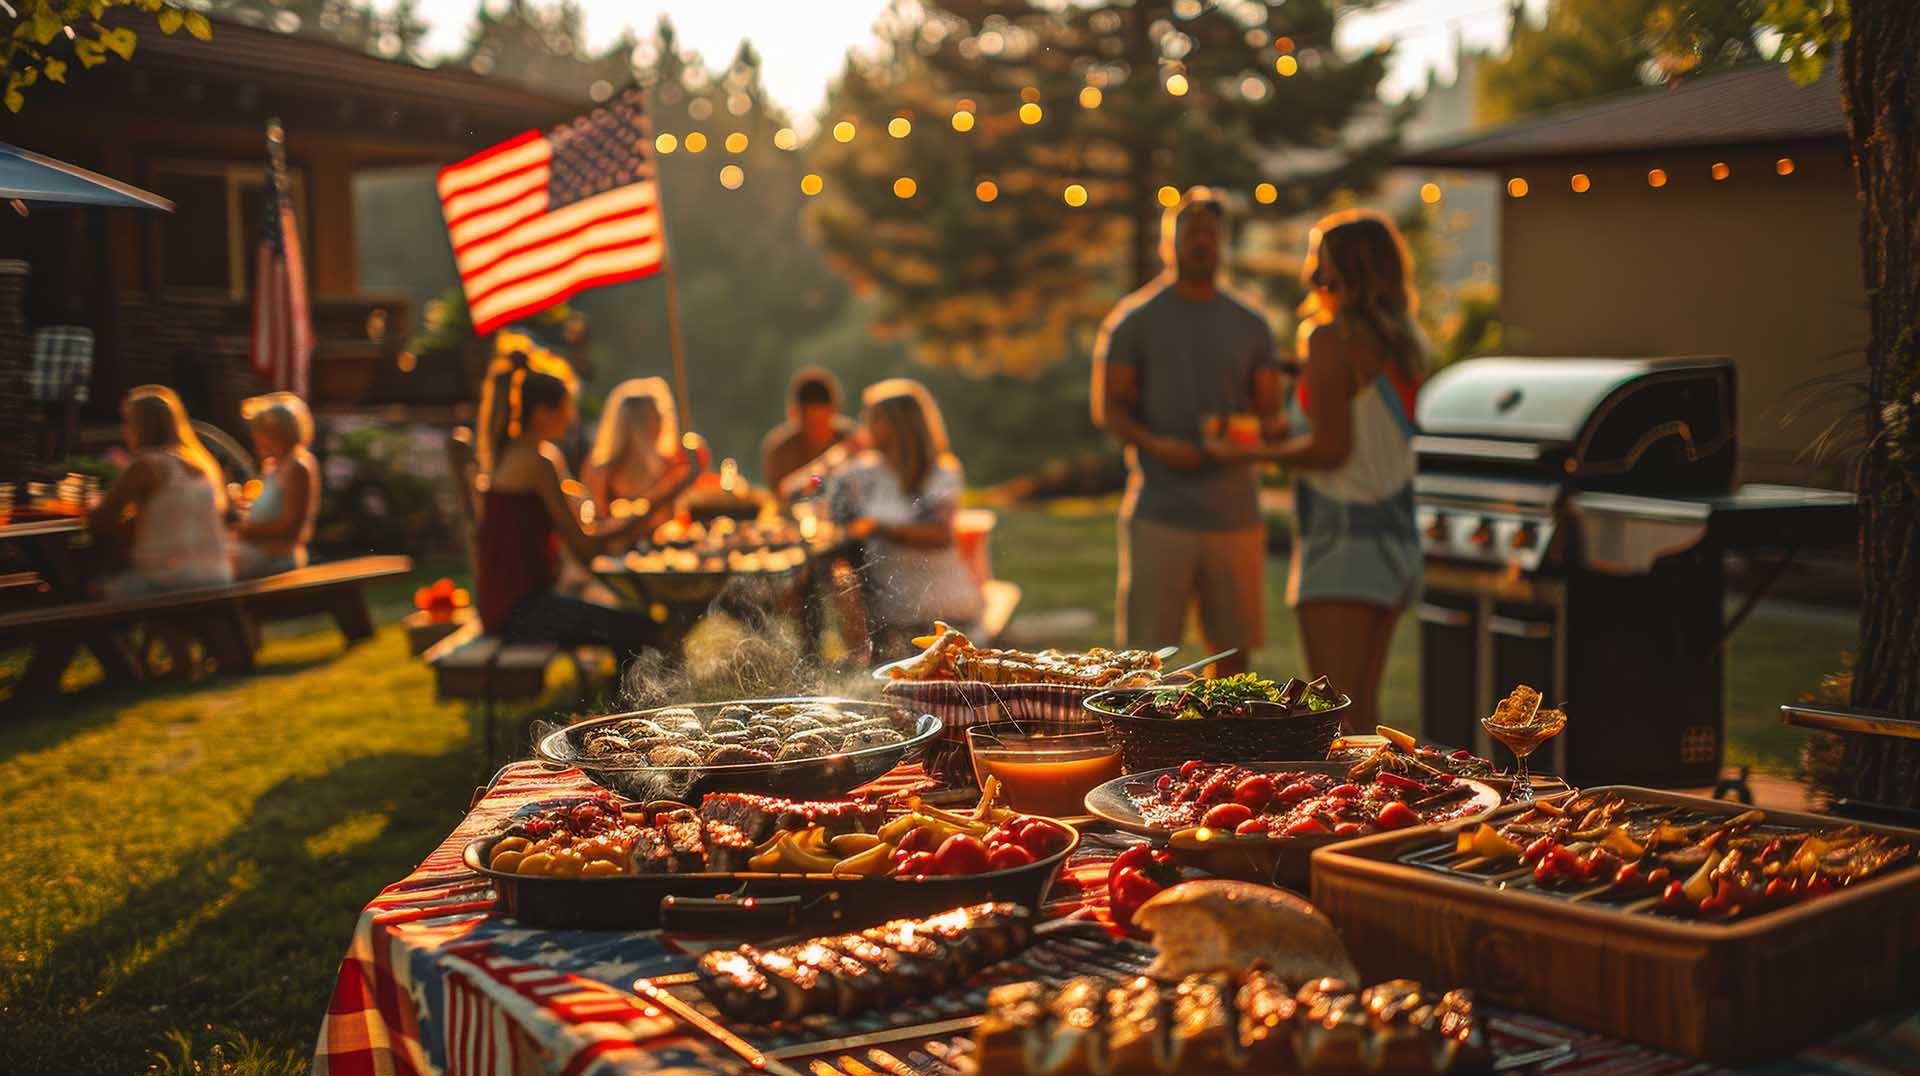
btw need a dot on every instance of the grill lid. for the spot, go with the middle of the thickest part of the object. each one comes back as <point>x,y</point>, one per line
<point>1611,423</point>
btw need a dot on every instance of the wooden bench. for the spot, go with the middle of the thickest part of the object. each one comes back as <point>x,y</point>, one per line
<point>225,618</point>
<point>472,666</point>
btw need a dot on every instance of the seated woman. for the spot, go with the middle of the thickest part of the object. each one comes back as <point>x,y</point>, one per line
<point>637,462</point>
<point>279,524</point>
<point>898,497</point>
<point>526,516</point>
<point>174,493</point>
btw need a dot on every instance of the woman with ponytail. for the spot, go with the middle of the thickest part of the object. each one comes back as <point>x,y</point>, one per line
<point>1356,551</point>
<point>174,496</point>
<point>527,514</point>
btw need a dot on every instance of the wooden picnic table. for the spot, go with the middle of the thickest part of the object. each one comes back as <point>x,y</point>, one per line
<point>50,546</point>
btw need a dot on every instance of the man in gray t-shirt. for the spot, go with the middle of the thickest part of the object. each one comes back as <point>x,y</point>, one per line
<point>1171,354</point>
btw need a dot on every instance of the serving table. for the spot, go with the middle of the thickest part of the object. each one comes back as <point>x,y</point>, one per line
<point>435,981</point>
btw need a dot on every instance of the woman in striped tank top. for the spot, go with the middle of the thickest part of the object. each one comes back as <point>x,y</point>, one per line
<point>1356,552</point>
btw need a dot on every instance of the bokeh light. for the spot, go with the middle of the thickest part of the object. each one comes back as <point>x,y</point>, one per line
<point>1783,166</point>
<point>1720,170</point>
<point>904,187</point>
<point>736,143</point>
<point>1090,97</point>
<point>1030,95</point>
<point>695,142</point>
<point>731,177</point>
<point>1580,183</point>
<point>986,190</point>
<point>1075,195</point>
<point>1286,66</point>
<point>1516,187</point>
<point>963,122</point>
<point>1177,84</point>
<point>899,127</point>
<point>1169,196</point>
<point>1029,113</point>
<point>843,131</point>
<point>1656,177</point>
<point>811,184</point>
<point>1266,194</point>
<point>665,143</point>
<point>1430,193</point>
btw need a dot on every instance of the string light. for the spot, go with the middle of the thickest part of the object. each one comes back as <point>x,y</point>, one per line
<point>1090,97</point>
<point>963,122</point>
<point>843,131</point>
<point>1075,195</point>
<point>1283,44</point>
<point>1783,166</point>
<point>1169,196</point>
<point>811,184</point>
<point>1029,113</point>
<point>731,177</point>
<point>1029,95</point>
<point>736,143</point>
<point>1580,183</point>
<point>986,190</point>
<point>1177,84</point>
<point>1430,193</point>
<point>1286,66</point>
<point>900,127</point>
<point>1656,177</point>
<point>784,138</point>
<point>1516,187</point>
<point>1720,170</point>
<point>695,142</point>
<point>1266,194</point>
<point>904,187</point>
<point>665,144</point>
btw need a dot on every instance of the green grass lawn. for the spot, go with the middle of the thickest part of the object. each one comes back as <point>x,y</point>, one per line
<point>184,865</point>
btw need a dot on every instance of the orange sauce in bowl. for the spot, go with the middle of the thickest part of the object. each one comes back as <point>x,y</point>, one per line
<point>1051,782</point>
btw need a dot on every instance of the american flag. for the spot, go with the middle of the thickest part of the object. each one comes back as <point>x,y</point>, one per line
<point>281,343</point>
<point>540,217</point>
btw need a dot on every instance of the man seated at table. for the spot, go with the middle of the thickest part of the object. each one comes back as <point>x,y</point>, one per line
<point>814,424</point>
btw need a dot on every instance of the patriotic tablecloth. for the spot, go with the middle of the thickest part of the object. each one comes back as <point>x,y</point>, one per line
<point>435,983</point>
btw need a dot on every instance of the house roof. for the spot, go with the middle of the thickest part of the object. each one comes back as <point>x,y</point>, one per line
<point>1752,105</point>
<point>321,68</point>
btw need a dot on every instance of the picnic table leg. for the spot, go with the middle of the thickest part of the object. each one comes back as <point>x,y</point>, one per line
<point>51,656</point>
<point>350,613</point>
<point>230,638</point>
<point>116,657</point>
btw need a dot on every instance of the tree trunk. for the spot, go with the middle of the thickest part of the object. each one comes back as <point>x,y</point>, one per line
<point>1881,86</point>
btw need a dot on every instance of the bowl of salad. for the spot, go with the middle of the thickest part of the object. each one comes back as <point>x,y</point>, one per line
<point>1230,719</point>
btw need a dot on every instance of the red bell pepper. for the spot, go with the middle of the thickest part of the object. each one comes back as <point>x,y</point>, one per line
<point>1139,873</point>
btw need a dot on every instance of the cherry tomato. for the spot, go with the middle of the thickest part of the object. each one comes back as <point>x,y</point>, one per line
<point>961,853</point>
<point>1396,815</point>
<point>1253,827</point>
<point>1226,816</point>
<point>1133,887</point>
<point>1044,838</point>
<point>1218,788</point>
<point>1538,849</point>
<point>1777,888</point>
<point>584,816</point>
<point>1304,827</point>
<point>1008,856</point>
<point>1344,791</point>
<point>917,839</point>
<point>1346,829</point>
<point>917,863</point>
<point>1297,791</point>
<point>1254,792</point>
<point>1675,894</point>
<point>1165,783</point>
<point>1190,767</point>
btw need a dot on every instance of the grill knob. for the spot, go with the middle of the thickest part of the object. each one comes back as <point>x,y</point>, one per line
<point>1437,528</point>
<point>1525,535</point>
<point>1483,534</point>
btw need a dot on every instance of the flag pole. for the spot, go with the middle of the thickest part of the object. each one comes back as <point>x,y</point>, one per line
<point>683,402</point>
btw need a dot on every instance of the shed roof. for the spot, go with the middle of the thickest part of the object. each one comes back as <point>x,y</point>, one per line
<point>1751,105</point>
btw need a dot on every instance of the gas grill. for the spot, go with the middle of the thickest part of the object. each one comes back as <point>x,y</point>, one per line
<point>1574,514</point>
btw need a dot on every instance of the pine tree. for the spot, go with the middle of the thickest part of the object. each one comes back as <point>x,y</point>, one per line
<point>1130,99</point>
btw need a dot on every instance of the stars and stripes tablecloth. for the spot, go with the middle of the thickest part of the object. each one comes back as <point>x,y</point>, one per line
<point>435,983</point>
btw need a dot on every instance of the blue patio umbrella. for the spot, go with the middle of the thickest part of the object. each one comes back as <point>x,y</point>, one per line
<point>36,182</point>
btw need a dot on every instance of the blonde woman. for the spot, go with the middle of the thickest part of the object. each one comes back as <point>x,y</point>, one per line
<point>636,454</point>
<point>1356,554</point>
<point>898,497</point>
<point>174,495</point>
<point>279,524</point>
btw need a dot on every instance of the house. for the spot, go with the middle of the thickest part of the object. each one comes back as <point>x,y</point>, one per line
<point>1716,217</point>
<point>167,294</point>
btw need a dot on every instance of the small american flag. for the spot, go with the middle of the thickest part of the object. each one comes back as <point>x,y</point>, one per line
<point>281,343</point>
<point>540,217</point>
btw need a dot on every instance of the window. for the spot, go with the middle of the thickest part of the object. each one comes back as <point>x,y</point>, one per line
<point>207,243</point>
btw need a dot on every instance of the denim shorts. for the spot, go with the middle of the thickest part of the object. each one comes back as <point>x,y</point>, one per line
<point>1355,552</point>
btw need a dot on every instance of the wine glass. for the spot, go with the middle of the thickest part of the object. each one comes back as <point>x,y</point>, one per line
<point>1523,732</point>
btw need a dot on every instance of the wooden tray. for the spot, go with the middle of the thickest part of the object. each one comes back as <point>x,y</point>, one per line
<point>1732,993</point>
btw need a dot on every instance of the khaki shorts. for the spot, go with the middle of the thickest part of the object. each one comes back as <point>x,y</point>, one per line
<point>1162,570</point>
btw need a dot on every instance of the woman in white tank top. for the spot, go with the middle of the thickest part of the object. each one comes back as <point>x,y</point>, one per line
<point>1356,551</point>
<point>172,491</point>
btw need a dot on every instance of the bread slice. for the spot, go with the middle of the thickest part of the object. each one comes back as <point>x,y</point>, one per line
<point>1218,925</point>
